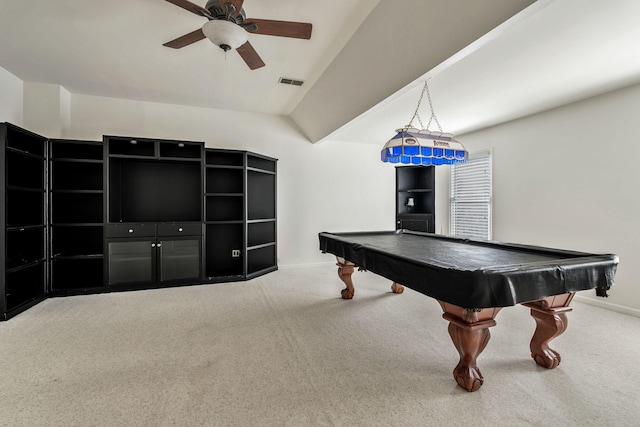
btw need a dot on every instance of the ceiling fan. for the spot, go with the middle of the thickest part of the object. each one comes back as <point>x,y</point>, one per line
<point>227,27</point>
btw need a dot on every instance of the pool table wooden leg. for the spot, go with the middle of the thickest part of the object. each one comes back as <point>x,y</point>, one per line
<point>551,321</point>
<point>469,331</point>
<point>397,288</point>
<point>345,270</point>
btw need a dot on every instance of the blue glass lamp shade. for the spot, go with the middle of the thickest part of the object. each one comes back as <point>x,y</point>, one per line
<point>412,146</point>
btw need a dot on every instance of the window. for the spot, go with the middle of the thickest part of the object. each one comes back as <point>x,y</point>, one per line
<point>471,197</point>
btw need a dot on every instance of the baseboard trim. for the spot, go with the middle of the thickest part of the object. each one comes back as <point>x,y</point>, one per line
<point>607,305</point>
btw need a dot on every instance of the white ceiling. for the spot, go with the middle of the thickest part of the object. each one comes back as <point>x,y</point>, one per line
<point>114,48</point>
<point>554,52</point>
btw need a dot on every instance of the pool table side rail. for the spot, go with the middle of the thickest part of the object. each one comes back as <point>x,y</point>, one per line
<point>494,286</point>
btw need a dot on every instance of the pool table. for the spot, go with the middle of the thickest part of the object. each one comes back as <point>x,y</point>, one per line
<point>472,280</point>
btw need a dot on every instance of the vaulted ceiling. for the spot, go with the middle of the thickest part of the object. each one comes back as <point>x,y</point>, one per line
<point>363,67</point>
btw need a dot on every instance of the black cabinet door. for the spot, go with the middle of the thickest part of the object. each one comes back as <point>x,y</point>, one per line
<point>179,259</point>
<point>150,260</point>
<point>131,261</point>
<point>415,225</point>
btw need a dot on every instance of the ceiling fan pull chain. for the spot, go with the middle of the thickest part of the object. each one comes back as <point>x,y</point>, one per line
<point>230,9</point>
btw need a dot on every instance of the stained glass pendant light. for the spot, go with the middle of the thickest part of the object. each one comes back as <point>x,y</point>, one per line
<point>412,146</point>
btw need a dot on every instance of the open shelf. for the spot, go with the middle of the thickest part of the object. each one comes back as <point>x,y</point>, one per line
<point>154,191</point>
<point>79,150</point>
<point>68,240</point>
<point>224,180</point>
<point>77,273</point>
<point>261,258</point>
<point>76,207</point>
<point>24,246</point>
<point>131,147</point>
<point>24,170</point>
<point>225,207</point>
<point>24,207</point>
<point>25,141</point>
<point>180,150</point>
<point>260,233</point>
<point>25,284</point>
<point>76,175</point>
<point>415,178</point>
<point>261,190</point>
<point>224,158</point>
<point>261,163</point>
<point>415,203</point>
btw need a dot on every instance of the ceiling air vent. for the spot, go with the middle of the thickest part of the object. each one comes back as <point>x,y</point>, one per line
<point>288,81</point>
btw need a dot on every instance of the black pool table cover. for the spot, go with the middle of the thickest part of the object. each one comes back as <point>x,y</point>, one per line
<point>471,273</point>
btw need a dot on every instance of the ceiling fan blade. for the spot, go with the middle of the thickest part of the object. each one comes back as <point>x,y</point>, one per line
<point>191,7</point>
<point>187,39</point>
<point>269,27</point>
<point>250,56</point>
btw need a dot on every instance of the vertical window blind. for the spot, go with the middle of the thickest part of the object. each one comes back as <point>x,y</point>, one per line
<point>471,197</point>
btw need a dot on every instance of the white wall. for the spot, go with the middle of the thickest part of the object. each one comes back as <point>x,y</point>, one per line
<point>331,186</point>
<point>44,108</point>
<point>10,98</point>
<point>568,178</point>
<point>560,179</point>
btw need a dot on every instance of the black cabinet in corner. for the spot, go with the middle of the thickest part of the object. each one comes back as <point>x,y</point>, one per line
<point>415,198</point>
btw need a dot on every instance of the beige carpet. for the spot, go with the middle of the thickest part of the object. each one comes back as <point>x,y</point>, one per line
<point>284,349</point>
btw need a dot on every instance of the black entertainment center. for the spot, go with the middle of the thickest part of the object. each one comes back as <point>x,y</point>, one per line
<point>129,213</point>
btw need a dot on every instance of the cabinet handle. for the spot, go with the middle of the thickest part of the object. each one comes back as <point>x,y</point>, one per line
<point>159,244</point>
<point>180,229</point>
<point>130,230</point>
<point>153,245</point>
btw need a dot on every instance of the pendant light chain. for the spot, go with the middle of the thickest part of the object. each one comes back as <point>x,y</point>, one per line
<point>416,114</point>
<point>433,114</point>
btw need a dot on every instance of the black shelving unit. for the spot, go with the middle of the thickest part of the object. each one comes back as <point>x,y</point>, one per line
<point>129,213</point>
<point>240,202</point>
<point>415,198</point>
<point>23,220</point>
<point>76,195</point>
<point>224,215</point>
<point>261,215</point>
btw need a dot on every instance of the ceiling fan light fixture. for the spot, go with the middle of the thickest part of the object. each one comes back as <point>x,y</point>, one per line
<point>224,34</point>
